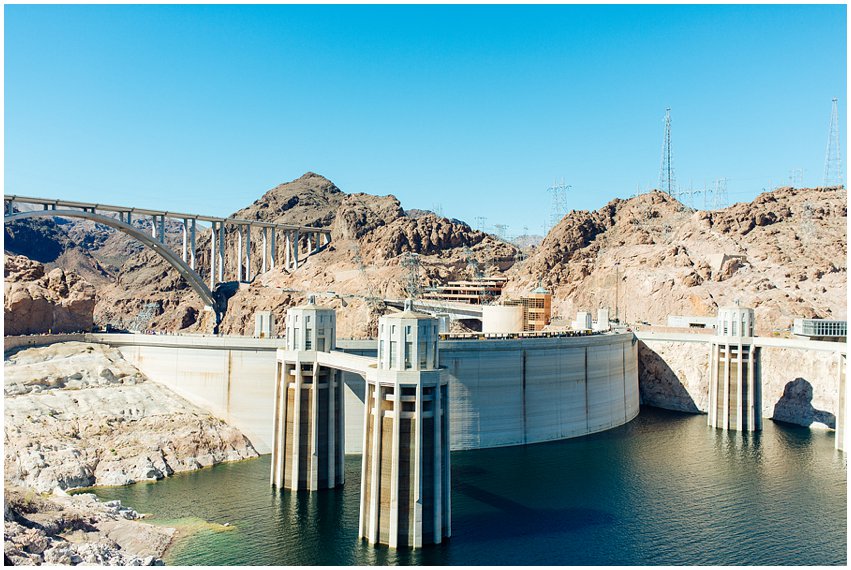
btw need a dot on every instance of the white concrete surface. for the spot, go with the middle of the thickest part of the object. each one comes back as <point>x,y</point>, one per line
<point>502,392</point>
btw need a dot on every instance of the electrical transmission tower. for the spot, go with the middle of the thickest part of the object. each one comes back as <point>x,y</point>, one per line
<point>667,181</point>
<point>413,287</point>
<point>719,194</point>
<point>501,231</point>
<point>480,223</point>
<point>559,201</point>
<point>473,264</point>
<point>796,177</point>
<point>833,156</point>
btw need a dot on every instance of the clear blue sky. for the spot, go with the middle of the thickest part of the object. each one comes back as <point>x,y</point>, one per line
<point>478,109</point>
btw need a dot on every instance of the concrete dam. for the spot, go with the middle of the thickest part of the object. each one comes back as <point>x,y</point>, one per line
<point>501,392</point>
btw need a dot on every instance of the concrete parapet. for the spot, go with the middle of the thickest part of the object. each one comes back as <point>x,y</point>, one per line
<point>26,341</point>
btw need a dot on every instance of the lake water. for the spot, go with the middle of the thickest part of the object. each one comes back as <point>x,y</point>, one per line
<point>663,489</point>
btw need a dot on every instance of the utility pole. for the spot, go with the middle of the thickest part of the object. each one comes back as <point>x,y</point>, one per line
<point>833,156</point>
<point>667,181</point>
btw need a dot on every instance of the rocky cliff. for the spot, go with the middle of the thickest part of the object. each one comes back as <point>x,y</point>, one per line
<point>38,302</point>
<point>798,386</point>
<point>78,415</point>
<point>783,254</point>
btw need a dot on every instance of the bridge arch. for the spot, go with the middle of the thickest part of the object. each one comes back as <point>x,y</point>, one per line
<point>195,281</point>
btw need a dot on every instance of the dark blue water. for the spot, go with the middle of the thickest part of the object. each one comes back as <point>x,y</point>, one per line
<point>664,489</point>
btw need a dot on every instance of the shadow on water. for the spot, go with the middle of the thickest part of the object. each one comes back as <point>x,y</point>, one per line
<point>659,385</point>
<point>796,406</point>
<point>514,520</point>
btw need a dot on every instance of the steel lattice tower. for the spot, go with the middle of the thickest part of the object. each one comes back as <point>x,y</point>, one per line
<point>833,156</point>
<point>558,209</point>
<point>667,181</point>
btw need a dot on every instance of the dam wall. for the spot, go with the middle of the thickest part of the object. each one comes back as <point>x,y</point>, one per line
<point>800,378</point>
<point>231,377</point>
<point>501,392</point>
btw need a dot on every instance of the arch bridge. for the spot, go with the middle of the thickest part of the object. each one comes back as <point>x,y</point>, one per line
<point>299,241</point>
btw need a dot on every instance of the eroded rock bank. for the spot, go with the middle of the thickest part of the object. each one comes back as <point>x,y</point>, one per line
<point>61,529</point>
<point>79,415</point>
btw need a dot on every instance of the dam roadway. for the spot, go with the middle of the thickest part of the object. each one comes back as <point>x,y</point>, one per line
<point>501,392</point>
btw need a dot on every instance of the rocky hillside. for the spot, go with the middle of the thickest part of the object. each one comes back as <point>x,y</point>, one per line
<point>38,302</point>
<point>370,235</point>
<point>78,415</point>
<point>783,254</point>
<point>665,259</point>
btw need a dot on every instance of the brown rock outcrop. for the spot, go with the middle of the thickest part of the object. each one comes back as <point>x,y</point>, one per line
<point>36,302</point>
<point>660,258</point>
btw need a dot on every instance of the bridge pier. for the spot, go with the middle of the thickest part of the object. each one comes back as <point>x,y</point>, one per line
<point>273,253</point>
<point>735,385</point>
<point>265,248</point>
<point>295,249</point>
<point>248,254</point>
<point>239,233</point>
<point>192,246</point>
<point>308,438</point>
<point>212,256</point>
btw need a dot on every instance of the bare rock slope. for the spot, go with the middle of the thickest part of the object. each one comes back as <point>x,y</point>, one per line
<point>783,254</point>
<point>78,415</point>
<point>38,302</point>
<point>61,529</point>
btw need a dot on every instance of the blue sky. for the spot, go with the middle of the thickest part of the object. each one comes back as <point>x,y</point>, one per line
<point>473,108</point>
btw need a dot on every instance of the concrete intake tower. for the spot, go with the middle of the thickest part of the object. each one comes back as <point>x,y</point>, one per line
<point>405,487</point>
<point>308,436</point>
<point>735,387</point>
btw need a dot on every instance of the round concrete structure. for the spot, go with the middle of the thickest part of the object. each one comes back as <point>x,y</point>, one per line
<point>502,319</point>
<point>519,391</point>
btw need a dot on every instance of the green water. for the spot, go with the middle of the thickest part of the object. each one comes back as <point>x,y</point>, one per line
<point>664,489</point>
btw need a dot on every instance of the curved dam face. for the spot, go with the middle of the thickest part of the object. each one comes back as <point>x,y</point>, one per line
<point>514,392</point>
<point>501,392</point>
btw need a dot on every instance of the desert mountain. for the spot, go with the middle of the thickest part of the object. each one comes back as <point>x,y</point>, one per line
<point>783,254</point>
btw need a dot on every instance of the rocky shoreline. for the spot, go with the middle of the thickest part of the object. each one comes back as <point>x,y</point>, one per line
<point>78,415</point>
<point>79,529</point>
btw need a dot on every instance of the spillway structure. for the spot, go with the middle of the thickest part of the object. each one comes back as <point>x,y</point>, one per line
<point>308,436</point>
<point>735,387</point>
<point>405,488</point>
